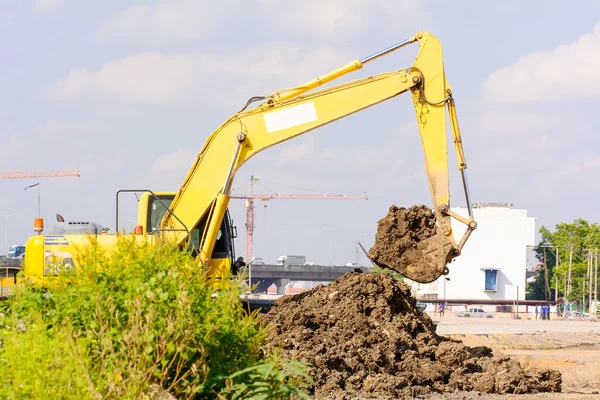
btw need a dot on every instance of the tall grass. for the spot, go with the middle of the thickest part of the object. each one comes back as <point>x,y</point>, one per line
<point>145,315</point>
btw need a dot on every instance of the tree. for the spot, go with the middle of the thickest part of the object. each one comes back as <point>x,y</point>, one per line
<point>572,241</point>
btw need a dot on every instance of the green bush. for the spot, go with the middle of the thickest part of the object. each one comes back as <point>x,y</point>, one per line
<point>145,315</point>
<point>272,379</point>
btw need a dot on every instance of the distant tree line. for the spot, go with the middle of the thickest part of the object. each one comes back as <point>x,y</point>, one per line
<point>577,245</point>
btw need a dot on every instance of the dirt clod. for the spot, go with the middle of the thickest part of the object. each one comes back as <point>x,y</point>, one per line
<point>366,338</point>
<point>409,242</point>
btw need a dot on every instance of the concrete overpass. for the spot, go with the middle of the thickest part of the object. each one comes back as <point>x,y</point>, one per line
<point>266,275</point>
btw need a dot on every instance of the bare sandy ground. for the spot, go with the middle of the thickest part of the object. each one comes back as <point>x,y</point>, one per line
<point>571,347</point>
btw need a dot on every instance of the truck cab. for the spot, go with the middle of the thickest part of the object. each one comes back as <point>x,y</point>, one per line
<point>291,260</point>
<point>17,251</point>
<point>256,261</point>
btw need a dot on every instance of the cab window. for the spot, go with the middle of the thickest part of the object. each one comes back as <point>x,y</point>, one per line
<point>157,210</point>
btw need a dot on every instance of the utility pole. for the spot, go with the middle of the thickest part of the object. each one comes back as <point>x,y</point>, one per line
<point>585,278</point>
<point>565,296</point>
<point>570,283</point>
<point>583,297</point>
<point>38,193</point>
<point>556,276</point>
<point>590,286</point>
<point>596,282</point>
<point>555,286</point>
<point>589,277</point>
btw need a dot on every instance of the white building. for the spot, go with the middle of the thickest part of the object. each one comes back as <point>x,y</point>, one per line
<point>493,262</point>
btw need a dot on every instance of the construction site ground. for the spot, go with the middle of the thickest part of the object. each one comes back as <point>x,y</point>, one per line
<point>571,347</point>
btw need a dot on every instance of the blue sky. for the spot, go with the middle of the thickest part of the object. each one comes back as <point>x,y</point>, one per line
<point>128,91</point>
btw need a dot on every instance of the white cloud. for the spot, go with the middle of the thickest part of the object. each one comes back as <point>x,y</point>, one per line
<point>142,78</point>
<point>227,80</point>
<point>568,180</point>
<point>105,164</point>
<point>62,138</point>
<point>512,123</point>
<point>506,135</point>
<point>581,166</point>
<point>13,147</point>
<point>175,161</point>
<point>294,152</point>
<point>63,129</point>
<point>189,20</point>
<point>58,144</point>
<point>46,6</point>
<point>364,160</point>
<point>169,170</point>
<point>333,18</point>
<point>568,71</point>
<point>165,21</point>
<point>373,161</point>
<point>320,17</point>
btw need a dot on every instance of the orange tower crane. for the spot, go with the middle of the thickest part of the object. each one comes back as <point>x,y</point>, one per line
<point>19,174</point>
<point>266,197</point>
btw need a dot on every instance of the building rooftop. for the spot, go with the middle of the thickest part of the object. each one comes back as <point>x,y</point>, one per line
<point>482,205</point>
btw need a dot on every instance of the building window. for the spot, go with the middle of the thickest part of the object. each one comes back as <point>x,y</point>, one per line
<point>490,280</point>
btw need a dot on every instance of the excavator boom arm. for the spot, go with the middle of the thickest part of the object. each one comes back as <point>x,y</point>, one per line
<point>293,112</point>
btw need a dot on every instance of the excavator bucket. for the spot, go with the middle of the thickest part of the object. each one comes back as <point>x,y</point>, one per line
<point>423,263</point>
<point>409,242</point>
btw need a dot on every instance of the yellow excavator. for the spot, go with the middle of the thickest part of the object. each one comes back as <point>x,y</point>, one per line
<point>196,216</point>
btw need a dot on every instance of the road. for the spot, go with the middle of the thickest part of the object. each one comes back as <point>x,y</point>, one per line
<point>451,324</point>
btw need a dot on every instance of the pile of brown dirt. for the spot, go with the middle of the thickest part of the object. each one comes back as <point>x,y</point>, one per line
<point>407,241</point>
<point>366,338</point>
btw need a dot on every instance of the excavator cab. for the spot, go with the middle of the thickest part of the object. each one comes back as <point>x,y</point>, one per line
<point>151,211</point>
